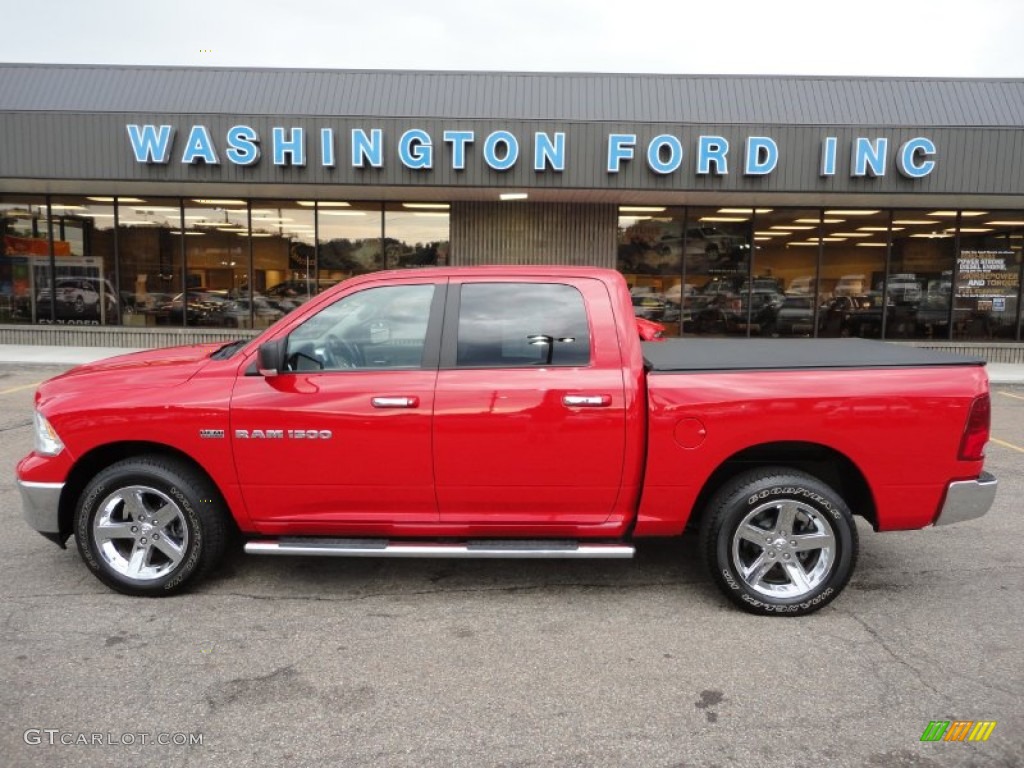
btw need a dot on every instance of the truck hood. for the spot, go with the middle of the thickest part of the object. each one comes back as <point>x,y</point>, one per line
<point>167,367</point>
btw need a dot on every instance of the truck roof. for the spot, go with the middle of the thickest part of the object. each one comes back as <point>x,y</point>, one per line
<point>509,270</point>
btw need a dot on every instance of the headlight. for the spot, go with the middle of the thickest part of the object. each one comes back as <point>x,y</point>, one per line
<point>47,441</point>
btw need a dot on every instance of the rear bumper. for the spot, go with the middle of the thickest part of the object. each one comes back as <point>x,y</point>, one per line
<point>967,499</point>
<point>40,504</point>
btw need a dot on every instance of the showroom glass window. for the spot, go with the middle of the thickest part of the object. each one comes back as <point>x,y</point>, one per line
<point>416,235</point>
<point>854,243</point>
<point>514,325</point>
<point>84,261</point>
<point>218,279</point>
<point>151,260</point>
<point>284,258</point>
<point>350,238</point>
<point>918,287</point>
<point>783,290</point>
<point>25,243</point>
<point>716,250</point>
<point>988,273</point>
<point>650,258</point>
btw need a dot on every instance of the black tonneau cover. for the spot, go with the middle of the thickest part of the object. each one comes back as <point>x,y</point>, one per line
<point>702,355</point>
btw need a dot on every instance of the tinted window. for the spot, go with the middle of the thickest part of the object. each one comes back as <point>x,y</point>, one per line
<point>507,325</point>
<point>374,329</point>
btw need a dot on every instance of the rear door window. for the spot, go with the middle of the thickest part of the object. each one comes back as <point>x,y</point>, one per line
<point>513,325</point>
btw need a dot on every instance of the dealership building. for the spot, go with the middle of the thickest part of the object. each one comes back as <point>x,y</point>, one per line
<point>144,206</point>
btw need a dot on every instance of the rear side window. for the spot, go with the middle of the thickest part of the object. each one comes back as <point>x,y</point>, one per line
<point>512,325</point>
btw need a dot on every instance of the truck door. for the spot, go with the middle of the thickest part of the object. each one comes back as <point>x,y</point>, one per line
<point>529,412</point>
<point>342,436</point>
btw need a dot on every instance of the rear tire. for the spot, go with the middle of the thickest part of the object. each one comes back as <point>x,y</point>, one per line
<point>779,541</point>
<point>150,526</point>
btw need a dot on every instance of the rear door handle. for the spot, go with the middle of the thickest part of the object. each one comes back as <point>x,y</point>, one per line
<point>395,402</point>
<point>586,401</point>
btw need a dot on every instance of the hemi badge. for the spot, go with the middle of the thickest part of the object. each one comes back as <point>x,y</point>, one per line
<point>211,434</point>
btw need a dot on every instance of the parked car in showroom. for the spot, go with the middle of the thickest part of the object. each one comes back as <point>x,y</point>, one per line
<point>865,320</point>
<point>802,286</point>
<point>245,313</point>
<point>832,318</point>
<point>676,292</point>
<point>200,304</point>
<point>759,314</point>
<point>851,285</point>
<point>795,317</point>
<point>904,289</point>
<point>720,286</point>
<point>78,297</point>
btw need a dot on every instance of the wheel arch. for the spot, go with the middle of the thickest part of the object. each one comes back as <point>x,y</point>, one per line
<point>832,467</point>
<point>95,460</point>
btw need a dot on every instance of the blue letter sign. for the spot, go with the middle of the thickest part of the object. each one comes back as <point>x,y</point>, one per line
<point>151,144</point>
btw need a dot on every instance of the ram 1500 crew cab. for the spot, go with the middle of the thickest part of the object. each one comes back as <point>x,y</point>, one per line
<point>504,412</point>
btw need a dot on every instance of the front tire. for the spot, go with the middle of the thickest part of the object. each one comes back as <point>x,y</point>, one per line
<point>150,526</point>
<point>779,541</point>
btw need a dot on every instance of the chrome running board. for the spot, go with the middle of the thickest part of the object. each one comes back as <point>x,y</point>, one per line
<point>487,548</point>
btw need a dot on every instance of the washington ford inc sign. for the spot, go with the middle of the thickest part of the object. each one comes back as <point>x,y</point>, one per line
<point>418,150</point>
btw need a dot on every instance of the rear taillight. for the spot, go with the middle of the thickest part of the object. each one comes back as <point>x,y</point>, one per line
<point>972,446</point>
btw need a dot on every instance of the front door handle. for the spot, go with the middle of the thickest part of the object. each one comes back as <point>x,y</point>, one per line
<point>395,402</point>
<point>587,401</point>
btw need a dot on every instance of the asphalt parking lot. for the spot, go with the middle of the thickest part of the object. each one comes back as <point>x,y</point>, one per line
<point>293,661</point>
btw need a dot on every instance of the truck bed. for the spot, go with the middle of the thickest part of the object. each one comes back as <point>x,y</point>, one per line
<point>708,355</point>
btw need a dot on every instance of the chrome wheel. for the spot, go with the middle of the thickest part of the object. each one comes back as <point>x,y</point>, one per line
<point>140,532</point>
<point>784,549</point>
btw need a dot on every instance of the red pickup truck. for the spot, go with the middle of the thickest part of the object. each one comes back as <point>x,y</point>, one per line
<point>505,412</point>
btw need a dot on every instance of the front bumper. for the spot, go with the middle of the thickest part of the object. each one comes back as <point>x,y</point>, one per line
<point>968,499</point>
<point>40,504</point>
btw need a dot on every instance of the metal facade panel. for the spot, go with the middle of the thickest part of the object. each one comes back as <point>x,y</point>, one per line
<point>529,233</point>
<point>529,96</point>
<point>95,147</point>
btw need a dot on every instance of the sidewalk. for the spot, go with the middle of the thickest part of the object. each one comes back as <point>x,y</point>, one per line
<point>47,355</point>
<point>998,373</point>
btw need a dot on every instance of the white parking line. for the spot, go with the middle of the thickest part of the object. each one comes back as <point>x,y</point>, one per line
<point>31,386</point>
<point>1003,443</point>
